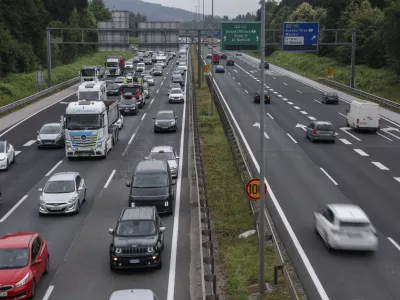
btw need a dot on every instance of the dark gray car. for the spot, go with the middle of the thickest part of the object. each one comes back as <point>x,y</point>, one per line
<point>165,121</point>
<point>178,79</point>
<point>330,97</point>
<point>321,131</point>
<point>112,90</point>
<point>51,135</point>
<point>128,105</point>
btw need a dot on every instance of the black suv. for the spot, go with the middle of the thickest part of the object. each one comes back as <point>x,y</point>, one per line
<point>152,185</point>
<point>138,239</point>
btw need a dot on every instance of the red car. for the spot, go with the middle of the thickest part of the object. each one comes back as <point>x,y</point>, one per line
<point>24,258</point>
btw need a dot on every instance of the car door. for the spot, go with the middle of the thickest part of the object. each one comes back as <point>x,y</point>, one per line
<point>78,180</point>
<point>36,267</point>
<point>42,255</point>
<point>327,222</point>
<point>310,129</point>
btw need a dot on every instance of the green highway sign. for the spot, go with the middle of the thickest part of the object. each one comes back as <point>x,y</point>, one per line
<point>241,36</point>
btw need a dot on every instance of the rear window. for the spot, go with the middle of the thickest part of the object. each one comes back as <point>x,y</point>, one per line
<point>354,224</point>
<point>331,94</point>
<point>325,127</point>
<point>150,179</point>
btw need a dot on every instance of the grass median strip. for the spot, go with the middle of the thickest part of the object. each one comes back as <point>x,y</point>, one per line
<point>18,86</point>
<point>237,258</point>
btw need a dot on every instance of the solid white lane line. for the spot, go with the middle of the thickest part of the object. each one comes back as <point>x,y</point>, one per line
<point>270,116</point>
<point>384,136</point>
<point>362,153</point>
<point>397,179</point>
<point>13,208</point>
<point>29,143</point>
<point>342,114</point>
<point>380,166</point>
<point>109,179</point>
<point>394,243</point>
<point>296,107</point>
<point>53,168</point>
<point>291,103</point>
<point>304,112</point>
<point>312,118</point>
<point>246,91</point>
<point>144,116</point>
<point>329,176</point>
<point>48,292</point>
<point>17,152</point>
<point>285,83</point>
<point>317,101</point>
<point>291,138</point>
<point>299,91</point>
<point>131,139</point>
<point>344,141</point>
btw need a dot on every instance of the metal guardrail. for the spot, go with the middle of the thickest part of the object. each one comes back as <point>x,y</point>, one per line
<point>33,97</point>
<point>245,172</point>
<point>382,101</point>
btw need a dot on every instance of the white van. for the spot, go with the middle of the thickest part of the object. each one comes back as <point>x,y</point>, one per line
<point>363,115</point>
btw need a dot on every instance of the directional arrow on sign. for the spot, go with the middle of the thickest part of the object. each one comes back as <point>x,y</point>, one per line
<point>224,38</point>
<point>258,125</point>
<point>301,126</point>
<point>388,129</point>
<point>257,38</point>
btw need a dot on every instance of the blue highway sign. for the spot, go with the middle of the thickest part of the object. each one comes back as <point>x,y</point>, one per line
<point>300,36</point>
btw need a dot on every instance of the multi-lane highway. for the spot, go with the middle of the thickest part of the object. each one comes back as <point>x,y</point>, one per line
<point>79,244</point>
<point>359,168</point>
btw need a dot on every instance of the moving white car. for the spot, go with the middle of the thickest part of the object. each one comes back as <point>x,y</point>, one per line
<point>167,153</point>
<point>363,115</point>
<point>345,227</point>
<point>176,95</point>
<point>7,155</point>
<point>140,67</point>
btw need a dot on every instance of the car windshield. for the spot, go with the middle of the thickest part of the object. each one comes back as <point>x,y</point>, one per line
<point>50,129</point>
<point>148,77</point>
<point>332,95</point>
<point>113,87</point>
<point>176,77</point>
<point>176,92</point>
<point>324,127</point>
<point>165,116</point>
<point>2,147</point>
<point>118,80</point>
<point>128,101</point>
<point>136,228</point>
<point>89,95</point>
<point>133,90</point>
<point>150,180</point>
<point>60,187</point>
<point>14,258</point>
<point>83,121</point>
<point>162,155</point>
<point>176,72</point>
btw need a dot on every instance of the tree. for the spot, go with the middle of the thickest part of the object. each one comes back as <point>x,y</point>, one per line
<point>391,35</point>
<point>99,10</point>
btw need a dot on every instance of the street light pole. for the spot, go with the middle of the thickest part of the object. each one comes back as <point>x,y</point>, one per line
<point>262,140</point>
<point>212,57</point>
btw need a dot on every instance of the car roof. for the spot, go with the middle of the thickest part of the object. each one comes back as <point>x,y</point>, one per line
<point>52,124</point>
<point>150,165</point>
<point>138,213</point>
<point>323,123</point>
<point>63,176</point>
<point>132,294</point>
<point>166,149</point>
<point>166,111</point>
<point>176,88</point>
<point>16,240</point>
<point>349,212</point>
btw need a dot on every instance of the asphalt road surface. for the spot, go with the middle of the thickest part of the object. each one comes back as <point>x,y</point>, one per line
<point>360,168</point>
<point>79,244</point>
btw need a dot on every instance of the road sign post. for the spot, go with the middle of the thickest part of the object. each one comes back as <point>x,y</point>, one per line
<point>240,36</point>
<point>300,36</point>
<point>330,72</point>
<point>253,189</point>
<point>206,69</point>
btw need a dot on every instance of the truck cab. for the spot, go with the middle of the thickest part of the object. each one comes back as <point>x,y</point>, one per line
<point>215,58</point>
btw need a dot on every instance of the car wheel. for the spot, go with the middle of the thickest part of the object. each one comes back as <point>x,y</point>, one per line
<point>333,141</point>
<point>326,242</point>
<point>13,160</point>
<point>159,266</point>
<point>47,269</point>
<point>323,101</point>
<point>112,267</point>
<point>78,208</point>
<point>337,103</point>
<point>170,101</point>
<point>84,196</point>
<point>7,163</point>
<point>33,290</point>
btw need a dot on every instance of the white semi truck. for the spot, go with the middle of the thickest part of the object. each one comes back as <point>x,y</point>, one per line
<point>92,73</point>
<point>91,127</point>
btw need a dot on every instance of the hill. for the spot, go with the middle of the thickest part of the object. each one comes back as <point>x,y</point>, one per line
<point>153,11</point>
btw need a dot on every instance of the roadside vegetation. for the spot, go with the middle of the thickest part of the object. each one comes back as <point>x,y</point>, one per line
<point>17,86</point>
<point>237,258</point>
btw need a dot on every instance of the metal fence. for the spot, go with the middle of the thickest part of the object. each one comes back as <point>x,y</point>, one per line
<point>31,98</point>
<point>382,101</point>
<point>240,159</point>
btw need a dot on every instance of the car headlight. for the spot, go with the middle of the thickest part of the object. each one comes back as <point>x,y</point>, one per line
<point>72,199</point>
<point>172,122</point>
<point>23,281</point>
<point>118,250</point>
<point>41,201</point>
<point>38,139</point>
<point>2,158</point>
<point>156,123</point>
<point>150,249</point>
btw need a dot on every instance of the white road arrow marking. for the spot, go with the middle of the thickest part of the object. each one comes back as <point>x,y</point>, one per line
<point>258,125</point>
<point>346,129</point>
<point>301,126</point>
<point>388,129</point>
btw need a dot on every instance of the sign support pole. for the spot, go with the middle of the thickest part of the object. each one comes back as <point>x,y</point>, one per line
<point>353,58</point>
<point>212,57</point>
<point>199,70</point>
<point>262,194</point>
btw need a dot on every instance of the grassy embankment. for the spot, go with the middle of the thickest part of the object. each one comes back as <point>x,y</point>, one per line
<point>237,258</point>
<point>380,82</point>
<point>17,86</point>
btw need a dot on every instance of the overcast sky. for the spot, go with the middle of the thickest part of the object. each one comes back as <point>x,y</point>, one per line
<point>230,8</point>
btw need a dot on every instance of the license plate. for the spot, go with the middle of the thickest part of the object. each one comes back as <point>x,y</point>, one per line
<point>3,294</point>
<point>126,110</point>
<point>56,208</point>
<point>134,261</point>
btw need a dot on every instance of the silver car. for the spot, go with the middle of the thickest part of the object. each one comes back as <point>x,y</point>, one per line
<point>149,79</point>
<point>321,131</point>
<point>63,193</point>
<point>166,153</point>
<point>133,295</point>
<point>7,155</point>
<point>51,135</point>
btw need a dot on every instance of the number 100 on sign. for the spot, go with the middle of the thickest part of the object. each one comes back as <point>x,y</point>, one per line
<point>253,189</point>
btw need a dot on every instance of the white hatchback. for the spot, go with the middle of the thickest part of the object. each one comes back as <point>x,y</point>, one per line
<point>345,227</point>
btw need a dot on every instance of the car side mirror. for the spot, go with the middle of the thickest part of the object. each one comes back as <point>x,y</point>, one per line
<point>177,157</point>
<point>40,190</point>
<point>38,261</point>
<point>128,184</point>
<point>162,229</point>
<point>176,118</point>
<point>111,231</point>
<point>80,188</point>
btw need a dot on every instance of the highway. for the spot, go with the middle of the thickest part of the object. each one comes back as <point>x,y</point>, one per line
<point>79,244</point>
<point>359,168</point>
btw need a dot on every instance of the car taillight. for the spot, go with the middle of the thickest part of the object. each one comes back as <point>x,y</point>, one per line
<point>358,121</point>
<point>122,94</point>
<point>314,131</point>
<point>379,121</point>
<point>333,132</point>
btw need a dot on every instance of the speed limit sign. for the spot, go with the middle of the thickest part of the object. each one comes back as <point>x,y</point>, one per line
<point>253,189</point>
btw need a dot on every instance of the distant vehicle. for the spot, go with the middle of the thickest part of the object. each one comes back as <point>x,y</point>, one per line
<point>158,71</point>
<point>224,56</point>
<point>364,115</point>
<point>92,73</point>
<point>167,153</point>
<point>140,67</point>
<point>63,193</point>
<point>176,95</point>
<point>149,79</point>
<point>7,155</point>
<point>146,90</point>
<point>152,185</point>
<point>330,97</point>
<point>209,56</point>
<point>178,79</point>
<point>24,260</point>
<point>129,65</point>
<point>182,69</point>
<point>138,240</point>
<point>128,105</point>
<point>238,54</point>
<point>51,135</point>
<point>144,73</point>
<point>92,90</point>
<point>345,227</point>
<point>215,58</point>
<point>133,91</point>
<point>267,97</point>
<point>148,61</point>
<point>113,90</point>
<point>220,69</point>
<point>119,81</point>
<point>266,65</point>
<point>230,62</point>
<point>176,72</point>
<point>115,65</point>
<point>321,131</point>
<point>133,295</point>
<point>165,121</point>
<point>172,86</point>
<point>136,59</point>
<point>161,63</point>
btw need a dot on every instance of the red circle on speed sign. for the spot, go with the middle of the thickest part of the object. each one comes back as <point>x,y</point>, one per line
<point>253,189</point>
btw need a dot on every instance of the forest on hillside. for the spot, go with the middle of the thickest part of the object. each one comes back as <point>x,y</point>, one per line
<point>377,23</point>
<point>23,31</point>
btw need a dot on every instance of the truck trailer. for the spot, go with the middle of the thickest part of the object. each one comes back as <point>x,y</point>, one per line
<point>91,127</point>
